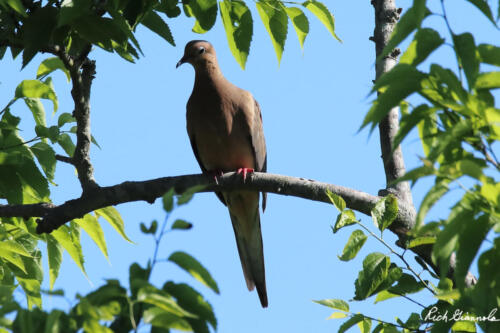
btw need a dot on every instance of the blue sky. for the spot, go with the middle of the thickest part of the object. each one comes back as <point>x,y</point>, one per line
<point>312,104</point>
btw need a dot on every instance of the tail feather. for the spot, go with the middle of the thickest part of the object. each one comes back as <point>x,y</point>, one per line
<point>246,224</point>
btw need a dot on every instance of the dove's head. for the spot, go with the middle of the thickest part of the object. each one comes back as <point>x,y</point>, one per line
<point>198,53</point>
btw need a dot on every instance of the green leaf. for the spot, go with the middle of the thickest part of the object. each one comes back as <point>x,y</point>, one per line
<point>155,23</point>
<point>31,279</point>
<point>162,300</point>
<point>193,267</point>
<point>65,118</point>
<point>17,5</point>
<point>169,7</point>
<point>427,131</point>
<point>205,12</point>
<point>92,227</point>
<point>46,156</point>
<point>186,196</point>
<point>337,200</point>
<point>447,239</point>
<point>37,31</point>
<point>337,304</point>
<point>407,284</point>
<point>323,15</point>
<point>489,54</point>
<point>485,9</point>
<point>385,212</point>
<point>101,31</point>
<point>450,138</point>
<point>410,21</point>
<point>10,185</point>
<point>49,65</point>
<point>181,224</point>
<point>37,109</point>
<point>470,239</point>
<point>466,51</point>
<point>421,241</point>
<point>69,239</point>
<point>365,325</point>
<point>14,247</point>
<point>409,121</point>
<point>157,317</point>
<point>72,10</point>
<point>337,315</point>
<point>464,326</point>
<point>489,80</point>
<point>114,218</point>
<point>168,200</point>
<point>426,40</point>
<point>400,82</point>
<point>275,20</point>
<point>67,144</point>
<point>238,24</point>
<point>439,189</point>
<point>351,322</point>
<point>344,219</point>
<point>12,257</point>
<point>354,244</point>
<point>54,255</point>
<point>36,89</point>
<point>192,301</point>
<point>33,181</point>
<point>152,228</point>
<point>300,23</point>
<point>375,271</point>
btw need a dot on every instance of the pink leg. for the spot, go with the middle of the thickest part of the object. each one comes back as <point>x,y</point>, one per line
<point>244,171</point>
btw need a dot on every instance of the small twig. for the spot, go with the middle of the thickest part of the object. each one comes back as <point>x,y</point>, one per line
<point>445,17</point>
<point>380,321</point>
<point>8,105</point>
<point>21,144</point>
<point>157,242</point>
<point>398,255</point>
<point>65,159</point>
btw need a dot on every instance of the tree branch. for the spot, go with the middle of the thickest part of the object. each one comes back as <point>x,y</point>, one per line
<point>82,82</point>
<point>53,217</point>
<point>386,17</point>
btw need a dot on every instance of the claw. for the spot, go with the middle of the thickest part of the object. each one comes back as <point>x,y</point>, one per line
<point>244,171</point>
<point>216,174</point>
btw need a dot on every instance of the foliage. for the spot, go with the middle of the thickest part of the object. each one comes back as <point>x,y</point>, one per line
<point>33,26</point>
<point>114,308</point>
<point>69,30</point>
<point>458,125</point>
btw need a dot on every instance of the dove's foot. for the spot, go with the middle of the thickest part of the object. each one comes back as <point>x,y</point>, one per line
<point>244,171</point>
<point>215,174</point>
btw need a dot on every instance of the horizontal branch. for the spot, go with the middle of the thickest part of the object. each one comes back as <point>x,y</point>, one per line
<point>53,217</point>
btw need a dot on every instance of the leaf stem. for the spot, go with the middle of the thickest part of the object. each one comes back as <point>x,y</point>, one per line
<point>399,255</point>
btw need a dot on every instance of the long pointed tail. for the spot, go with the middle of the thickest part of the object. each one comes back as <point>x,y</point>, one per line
<point>244,211</point>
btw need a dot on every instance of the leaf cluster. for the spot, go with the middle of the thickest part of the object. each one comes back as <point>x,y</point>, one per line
<point>458,123</point>
<point>115,308</point>
<point>76,25</point>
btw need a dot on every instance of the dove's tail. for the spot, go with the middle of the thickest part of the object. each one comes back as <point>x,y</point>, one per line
<point>244,210</point>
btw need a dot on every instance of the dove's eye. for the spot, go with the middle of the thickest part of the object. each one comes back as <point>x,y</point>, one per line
<point>202,50</point>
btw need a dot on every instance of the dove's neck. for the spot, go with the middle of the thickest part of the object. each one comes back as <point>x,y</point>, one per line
<point>209,74</point>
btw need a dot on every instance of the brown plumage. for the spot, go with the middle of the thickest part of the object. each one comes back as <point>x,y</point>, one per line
<point>224,125</point>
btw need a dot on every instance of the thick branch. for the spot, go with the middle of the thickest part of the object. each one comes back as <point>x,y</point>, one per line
<point>53,217</point>
<point>82,82</point>
<point>386,17</point>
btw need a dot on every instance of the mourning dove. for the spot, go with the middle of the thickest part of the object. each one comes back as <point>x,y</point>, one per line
<point>224,125</point>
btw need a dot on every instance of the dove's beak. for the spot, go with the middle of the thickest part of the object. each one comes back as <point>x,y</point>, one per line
<point>183,60</point>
